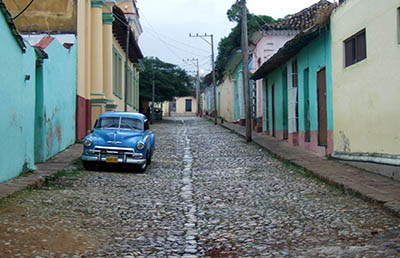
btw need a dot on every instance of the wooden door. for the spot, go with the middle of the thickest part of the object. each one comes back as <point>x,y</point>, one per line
<point>322,112</point>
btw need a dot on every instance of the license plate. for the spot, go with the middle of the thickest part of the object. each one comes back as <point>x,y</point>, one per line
<point>112,159</point>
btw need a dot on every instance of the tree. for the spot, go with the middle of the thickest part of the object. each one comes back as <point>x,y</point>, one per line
<point>170,81</point>
<point>233,40</point>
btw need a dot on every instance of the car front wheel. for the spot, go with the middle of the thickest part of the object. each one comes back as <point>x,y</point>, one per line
<point>88,165</point>
<point>141,168</point>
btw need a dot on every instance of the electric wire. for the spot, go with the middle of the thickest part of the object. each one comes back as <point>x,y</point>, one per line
<point>177,48</point>
<point>23,10</point>
<point>182,43</point>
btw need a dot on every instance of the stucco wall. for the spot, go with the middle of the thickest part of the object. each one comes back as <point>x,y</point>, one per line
<point>238,94</point>
<point>121,101</point>
<point>180,105</point>
<point>266,47</point>
<point>59,98</point>
<point>226,99</point>
<point>17,105</point>
<point>275,78</point>
<point>315,56</point>
<point>54,15</point>
<point>366,94</point>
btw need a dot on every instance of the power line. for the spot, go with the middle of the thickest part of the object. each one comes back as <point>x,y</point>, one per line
<point>182,43</point>
<point>23,10</point>
<point>175,47</point>
<point>166,45</point>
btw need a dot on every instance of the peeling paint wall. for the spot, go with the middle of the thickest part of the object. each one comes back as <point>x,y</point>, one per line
<point>59,98</point>
<point>17,105</point>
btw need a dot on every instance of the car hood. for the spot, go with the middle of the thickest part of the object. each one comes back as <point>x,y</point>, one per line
<point>117,135</point>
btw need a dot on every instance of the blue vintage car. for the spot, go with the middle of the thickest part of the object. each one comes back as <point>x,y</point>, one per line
<point>119,137</point>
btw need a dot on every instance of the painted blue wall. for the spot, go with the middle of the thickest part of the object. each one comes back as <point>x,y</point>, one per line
<point>57,117</point>
<point>17,105</point>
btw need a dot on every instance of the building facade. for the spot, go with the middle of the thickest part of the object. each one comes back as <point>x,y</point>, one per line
<point>38,94</point>
<point>104,82</point>
<point>366,78</point>
<point>297,88</point>
<point>266,42</point>
<point>180,106</point>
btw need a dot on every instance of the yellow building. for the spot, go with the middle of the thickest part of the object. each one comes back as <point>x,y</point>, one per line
<point>102,28</point>
<point>225,99</point>
<point>181,106</point>
<point>366,79</point>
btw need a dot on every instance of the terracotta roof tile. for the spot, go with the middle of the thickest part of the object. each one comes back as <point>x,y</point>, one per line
<point>44,42</point>
<point>302,20</point>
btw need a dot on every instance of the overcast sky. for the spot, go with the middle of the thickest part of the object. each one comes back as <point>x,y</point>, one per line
<point>167,24</point>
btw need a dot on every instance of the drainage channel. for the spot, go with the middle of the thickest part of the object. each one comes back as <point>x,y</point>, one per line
<point>187,196</point>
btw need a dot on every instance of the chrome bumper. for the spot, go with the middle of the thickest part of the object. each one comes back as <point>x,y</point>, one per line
<point>97,158</point>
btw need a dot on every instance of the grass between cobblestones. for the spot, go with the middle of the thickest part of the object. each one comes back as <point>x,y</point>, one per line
<point>51,182</point>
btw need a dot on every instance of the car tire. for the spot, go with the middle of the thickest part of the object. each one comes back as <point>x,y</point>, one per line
<point>142,168</point>
<point>88,165</point>
<point>148,159</point>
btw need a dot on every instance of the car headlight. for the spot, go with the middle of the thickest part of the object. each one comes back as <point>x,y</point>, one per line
<point>140,145</point>
<point>88,142</point>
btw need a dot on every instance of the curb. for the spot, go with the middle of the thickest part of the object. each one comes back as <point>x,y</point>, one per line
<point>45,172</point>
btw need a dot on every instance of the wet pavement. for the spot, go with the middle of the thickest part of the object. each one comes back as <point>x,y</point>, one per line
<point>207,193</point>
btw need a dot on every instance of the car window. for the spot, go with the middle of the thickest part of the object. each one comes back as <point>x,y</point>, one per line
<point>131,123</point>
<point>146,125</point>
<point>108,122</point>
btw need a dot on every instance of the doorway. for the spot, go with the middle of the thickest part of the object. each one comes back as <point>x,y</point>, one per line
<point>322,112</point>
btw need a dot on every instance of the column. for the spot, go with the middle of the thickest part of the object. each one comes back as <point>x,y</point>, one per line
<point>108,59</point>
<point>96,44</point>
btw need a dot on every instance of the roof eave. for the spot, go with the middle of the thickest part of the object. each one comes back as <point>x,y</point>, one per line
<point>290,49</point>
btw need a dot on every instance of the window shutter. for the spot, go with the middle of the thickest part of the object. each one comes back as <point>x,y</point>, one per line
<point>349,52</point>
<point>361,47</point>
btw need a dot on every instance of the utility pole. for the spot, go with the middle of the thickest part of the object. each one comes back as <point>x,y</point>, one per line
<point>213,67</point>
<point>197,84</point>
<point>153,89</point>
<point>245,51</point>
<point>128,30</point>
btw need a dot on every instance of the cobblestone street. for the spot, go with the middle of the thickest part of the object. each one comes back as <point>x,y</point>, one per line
<point>207,193</point>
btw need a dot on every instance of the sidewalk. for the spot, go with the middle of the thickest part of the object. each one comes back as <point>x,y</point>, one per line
<point>59,162</point>
<point>369,186</point>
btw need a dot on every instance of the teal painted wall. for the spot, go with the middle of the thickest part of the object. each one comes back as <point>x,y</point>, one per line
<point>315,56</point>
<point>56,119</point>
<point>312,58</point>
<point>275,78</point>
<point>17,105</point>
<point>236,92</point>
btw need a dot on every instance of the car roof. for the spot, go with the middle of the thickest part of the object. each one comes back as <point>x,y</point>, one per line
<point>124,114</point>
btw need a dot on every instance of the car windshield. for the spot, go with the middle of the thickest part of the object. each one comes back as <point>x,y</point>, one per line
<point>120,122</point>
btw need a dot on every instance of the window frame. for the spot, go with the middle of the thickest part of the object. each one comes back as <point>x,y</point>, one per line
<point>398,25</point>
<point>357,56</point>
